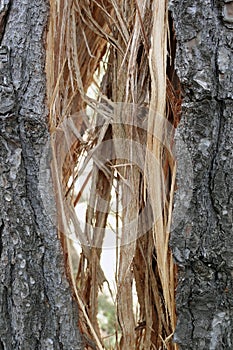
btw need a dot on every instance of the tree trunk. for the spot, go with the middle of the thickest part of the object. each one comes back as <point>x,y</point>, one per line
<point>36,305</point>
<point>37,309</point>
<point>202,243</point>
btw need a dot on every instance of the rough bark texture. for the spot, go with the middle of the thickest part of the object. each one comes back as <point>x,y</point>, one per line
<point>202,244</point>
<point>36,306</point>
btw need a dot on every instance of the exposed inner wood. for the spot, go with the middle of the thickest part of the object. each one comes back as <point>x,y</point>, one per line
<point>141,78</point>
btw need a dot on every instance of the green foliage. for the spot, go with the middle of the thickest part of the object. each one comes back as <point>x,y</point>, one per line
<point>107,320</point>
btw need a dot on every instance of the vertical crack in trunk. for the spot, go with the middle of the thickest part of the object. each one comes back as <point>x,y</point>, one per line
<point>141,80</point>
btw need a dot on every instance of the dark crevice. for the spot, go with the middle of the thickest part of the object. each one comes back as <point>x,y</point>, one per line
<point>2,347</point>
<point>218,139</point>
<point>174,93</point>
<point>46,297</point>
<point>58,336</point>
<point>4,14</point>
<point>5,310</point>
<point>1,232</point>
<point>213,162</point>
<point>37,345</point>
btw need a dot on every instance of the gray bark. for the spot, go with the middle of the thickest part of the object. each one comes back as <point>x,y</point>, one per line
<point>37,310</point>
<point>202,243</point>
